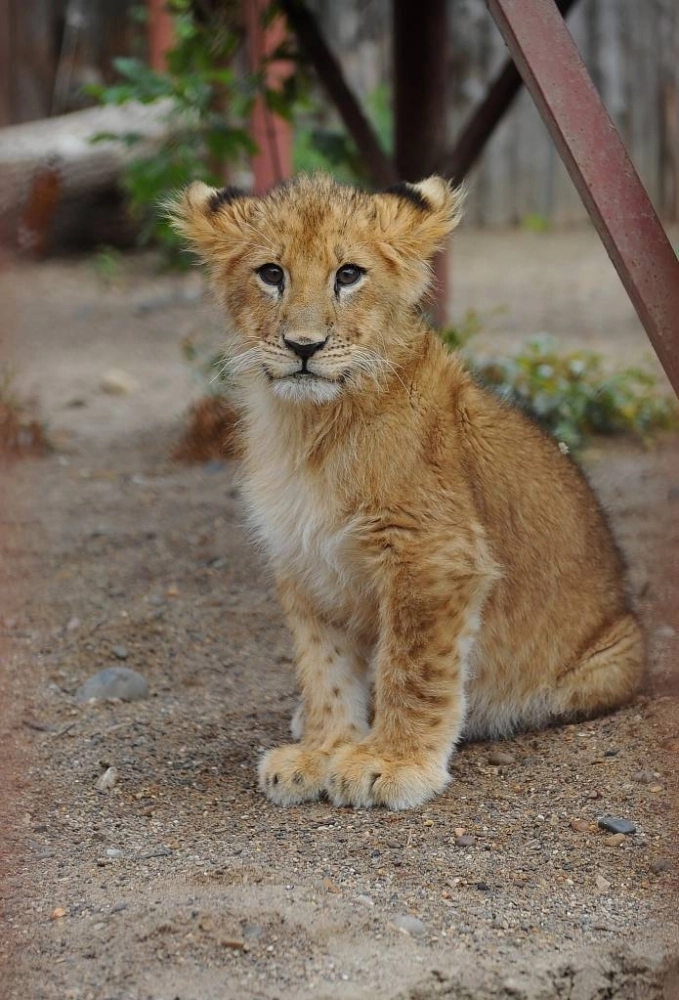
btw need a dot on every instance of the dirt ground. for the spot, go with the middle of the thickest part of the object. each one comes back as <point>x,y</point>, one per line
<point>182,882</point>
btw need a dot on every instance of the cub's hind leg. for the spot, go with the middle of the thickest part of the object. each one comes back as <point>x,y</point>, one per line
<point>335,694</point>
<point>607,673</point>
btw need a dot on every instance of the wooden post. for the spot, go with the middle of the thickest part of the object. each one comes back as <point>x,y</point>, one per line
<point>272,134</point>
<point>420,108</point>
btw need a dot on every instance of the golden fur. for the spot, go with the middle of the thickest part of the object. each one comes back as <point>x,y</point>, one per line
<point>444,569</point>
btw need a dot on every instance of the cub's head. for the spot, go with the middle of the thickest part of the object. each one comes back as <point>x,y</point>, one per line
<point>319,281</point>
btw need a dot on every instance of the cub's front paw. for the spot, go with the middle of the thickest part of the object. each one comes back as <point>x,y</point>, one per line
<point>361,775</point>
<point>291,774</point>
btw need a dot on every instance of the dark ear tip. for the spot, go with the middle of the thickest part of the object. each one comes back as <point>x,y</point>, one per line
<point>409,193</point>
<point>225,196</point>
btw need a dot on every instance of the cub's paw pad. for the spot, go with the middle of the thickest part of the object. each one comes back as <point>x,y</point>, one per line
<point>360,776</point>
<point>292,774</point>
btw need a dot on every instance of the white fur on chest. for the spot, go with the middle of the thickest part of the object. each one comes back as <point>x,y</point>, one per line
<point>303,531</point>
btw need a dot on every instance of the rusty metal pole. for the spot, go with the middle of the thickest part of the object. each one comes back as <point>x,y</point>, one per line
<point>160,34</point>
<point>272,134</point>
<point>589,145</point>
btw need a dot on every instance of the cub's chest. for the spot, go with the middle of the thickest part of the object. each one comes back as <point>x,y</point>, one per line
<point>302,526</point>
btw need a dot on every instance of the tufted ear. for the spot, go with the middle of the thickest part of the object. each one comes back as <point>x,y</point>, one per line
<point>415,221</point>
<point>419,217</point>
<point>212,220</point>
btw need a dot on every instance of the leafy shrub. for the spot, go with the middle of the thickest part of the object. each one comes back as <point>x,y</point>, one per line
<point>573,395</point>
<point>210,106</point>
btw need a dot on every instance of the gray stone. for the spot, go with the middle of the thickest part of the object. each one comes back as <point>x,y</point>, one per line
<point>408,924</point>
<point>120,652</point>
<point>614,824</point>
<point>114,682</point>
<point>108,780</point>
<point>466,840</point>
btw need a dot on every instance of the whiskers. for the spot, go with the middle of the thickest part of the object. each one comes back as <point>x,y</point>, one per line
<point>238,364</point>
<point>375,366</point>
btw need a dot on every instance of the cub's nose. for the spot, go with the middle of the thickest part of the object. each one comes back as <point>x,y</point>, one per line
<point>304,349</point>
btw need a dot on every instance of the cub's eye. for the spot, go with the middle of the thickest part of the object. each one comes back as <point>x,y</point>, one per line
<point>348,274</point>
<point>271,274</point>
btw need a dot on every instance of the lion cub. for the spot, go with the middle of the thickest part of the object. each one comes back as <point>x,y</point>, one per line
<point>444,569</point>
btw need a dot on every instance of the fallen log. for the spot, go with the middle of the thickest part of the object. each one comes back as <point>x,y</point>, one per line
<point>53,176</point>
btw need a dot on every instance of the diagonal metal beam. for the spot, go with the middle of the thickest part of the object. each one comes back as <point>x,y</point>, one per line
<point>599,166</point>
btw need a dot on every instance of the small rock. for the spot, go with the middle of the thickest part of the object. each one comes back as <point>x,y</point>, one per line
<point>466,840</point>
<point>601,883</point>
<point>366,900</point>
<point>236,944</point>
<point>611,753</point>
<point>107,781</point>
<point>118,907</point>
<point>580,825</point>
<point>73,623</point>
<point>117,382</point>
<point>615,840</point>
<point>655,788</point>
<point>113,852</point>
<point>661,865</point>
<point>616,825</point>
<point>408,924</point>
<point>664,632</point>
<point>645,777</point>
<point>114,682</point>
<point>58,913</point>
<point>120,652</point>
<point>498,757</point>
<point>459,831</point>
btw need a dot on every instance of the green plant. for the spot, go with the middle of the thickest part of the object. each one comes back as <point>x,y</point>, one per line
<point>107,263</point>
<point>457,336</point>
<point>573,395</point>
<point>534,222</point>
<point>209,103</point>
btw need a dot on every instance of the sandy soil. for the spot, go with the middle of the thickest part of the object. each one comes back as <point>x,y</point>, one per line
<point>182,881</point>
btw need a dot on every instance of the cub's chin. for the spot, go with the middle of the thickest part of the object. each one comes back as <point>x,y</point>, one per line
<point>306,389</point>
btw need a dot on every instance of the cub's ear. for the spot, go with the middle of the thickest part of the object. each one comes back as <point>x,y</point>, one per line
<point>415,221</point>
<point>420,216</point>
<point>211,220</point>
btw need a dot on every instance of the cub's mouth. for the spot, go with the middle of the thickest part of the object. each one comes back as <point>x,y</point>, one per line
<point>305,386</point>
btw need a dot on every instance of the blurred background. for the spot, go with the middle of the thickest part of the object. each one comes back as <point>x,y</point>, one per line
<point>196,88</point>
<point>107,106</point>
